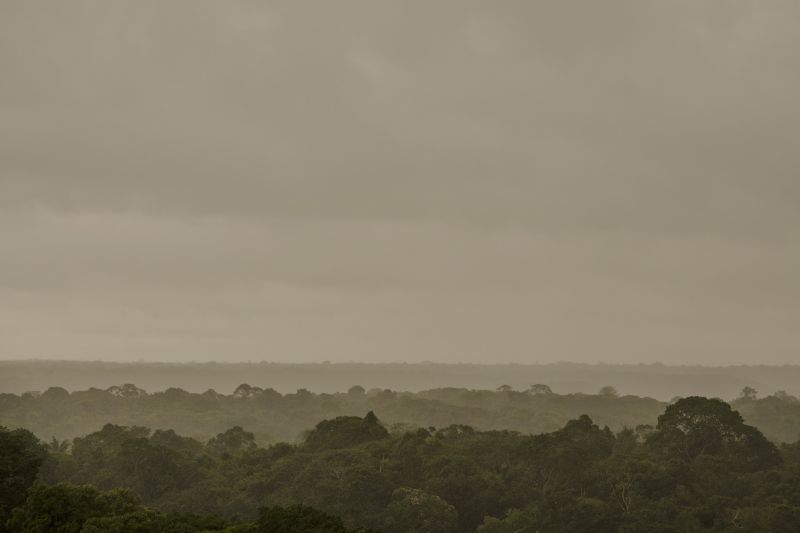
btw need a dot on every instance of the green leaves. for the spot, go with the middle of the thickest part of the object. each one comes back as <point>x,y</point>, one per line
<point>345,431</point>
<point>697,426</point>
<point>21,455</point>
<point>700,469</point>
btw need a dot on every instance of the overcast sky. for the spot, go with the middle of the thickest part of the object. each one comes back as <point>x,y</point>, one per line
<point>400,181</point>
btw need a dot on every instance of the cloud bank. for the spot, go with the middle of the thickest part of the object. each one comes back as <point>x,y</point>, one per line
<point>400,181</point>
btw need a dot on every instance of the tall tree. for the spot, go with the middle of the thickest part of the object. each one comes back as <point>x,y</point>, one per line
<point>21,455</point>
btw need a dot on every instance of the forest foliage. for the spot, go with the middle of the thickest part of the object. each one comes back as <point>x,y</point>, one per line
<point>699,467</point>
<point>275,417</point>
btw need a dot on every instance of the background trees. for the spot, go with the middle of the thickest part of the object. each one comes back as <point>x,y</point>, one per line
<point>273,417</point>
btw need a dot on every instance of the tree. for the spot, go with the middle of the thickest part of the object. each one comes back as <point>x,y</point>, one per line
<point>298,519</point>
<point>150,470</point>
<point>139,521</point>
<point>247,391</point>
<point>231,442</point>
<point>356,391</point>
<point>58,446</point>
<point>540,389</point>
<point>609,391</point>
<point>128,390</point>
<point>696,426</point>
<point>564,456</point>
<point>66,508</point>
<point>56,394</point>
<point>784,396</point>
<point>21,455</point>
<point>748,393</point>
<point>515,521</point>
<point>579,515</point>
<point>345,431</point>
<point>96,454</point>
<point>145,520</point>
<point>701,469</point>
<point>626,442</point>
<point>175,394</point>
<point>169,439</point>
<point>416,511</point>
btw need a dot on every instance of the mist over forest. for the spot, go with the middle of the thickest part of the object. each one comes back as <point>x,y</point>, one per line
<point>444,460</point>
<point>276,415</point>
<point>399,266</point>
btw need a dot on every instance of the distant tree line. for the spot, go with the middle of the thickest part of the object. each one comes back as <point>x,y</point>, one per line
<point>274,417</point>
<point>657,380</point>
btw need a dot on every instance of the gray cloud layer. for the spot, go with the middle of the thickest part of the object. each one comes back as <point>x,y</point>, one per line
<point>454,181</point>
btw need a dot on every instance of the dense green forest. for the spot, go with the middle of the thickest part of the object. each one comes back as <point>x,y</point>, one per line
<point>698,467</point>
<point>275,417</point>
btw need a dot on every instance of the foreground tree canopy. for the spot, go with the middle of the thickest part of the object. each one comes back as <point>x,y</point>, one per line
<point>700,468</point>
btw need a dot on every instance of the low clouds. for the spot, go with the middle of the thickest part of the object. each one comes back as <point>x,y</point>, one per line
<point>399,181</point>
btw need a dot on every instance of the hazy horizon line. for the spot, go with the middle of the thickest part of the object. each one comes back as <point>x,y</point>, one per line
<point>389,363</point>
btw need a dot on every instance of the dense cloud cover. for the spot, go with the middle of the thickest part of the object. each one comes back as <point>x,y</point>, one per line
<point>451,181</point>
